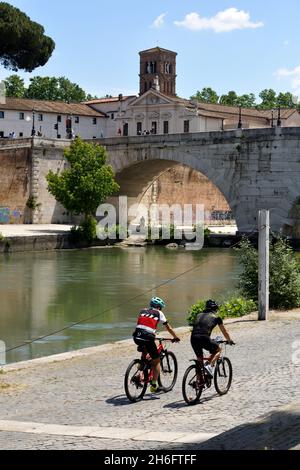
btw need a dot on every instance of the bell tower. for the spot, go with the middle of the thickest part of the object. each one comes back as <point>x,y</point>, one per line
<point>158,71</point>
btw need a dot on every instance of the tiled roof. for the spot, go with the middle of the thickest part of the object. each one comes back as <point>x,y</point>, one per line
<point>55,107</point>
<point>156,49</point>
<point>113,99</point>
<point>220,110</point>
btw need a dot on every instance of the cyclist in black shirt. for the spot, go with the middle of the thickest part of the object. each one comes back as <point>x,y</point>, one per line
<point>202,329</point>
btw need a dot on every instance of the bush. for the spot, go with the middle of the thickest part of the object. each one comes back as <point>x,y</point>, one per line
<point>168,230</point>
<point>1,237</point>
<point>112,232</point>
<point>234,307</point>
<point>284,274</point>
<point>86,232</point>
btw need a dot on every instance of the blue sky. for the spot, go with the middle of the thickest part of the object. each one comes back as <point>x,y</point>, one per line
<point>244,45</point>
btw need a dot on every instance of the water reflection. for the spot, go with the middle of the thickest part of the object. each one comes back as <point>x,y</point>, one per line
<point>44,292</point>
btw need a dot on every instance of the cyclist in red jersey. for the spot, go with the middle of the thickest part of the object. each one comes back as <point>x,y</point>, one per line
<point>144,334</point>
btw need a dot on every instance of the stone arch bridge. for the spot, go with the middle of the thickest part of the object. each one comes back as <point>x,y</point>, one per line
<point>254,169</point>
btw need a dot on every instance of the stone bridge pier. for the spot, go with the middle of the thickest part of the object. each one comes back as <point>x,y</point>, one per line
<point>254,169</point>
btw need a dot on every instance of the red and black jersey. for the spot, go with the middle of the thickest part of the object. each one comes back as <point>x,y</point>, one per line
<point>148,319</point>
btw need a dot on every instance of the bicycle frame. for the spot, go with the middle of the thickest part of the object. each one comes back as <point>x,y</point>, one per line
<point>146,360</point>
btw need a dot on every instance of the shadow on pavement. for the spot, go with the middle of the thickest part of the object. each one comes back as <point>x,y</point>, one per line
<point>122,400</point>
<point>276,431</point>
<point>182,404</point>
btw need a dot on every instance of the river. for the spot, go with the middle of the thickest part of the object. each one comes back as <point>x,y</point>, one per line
<point>44,292</point>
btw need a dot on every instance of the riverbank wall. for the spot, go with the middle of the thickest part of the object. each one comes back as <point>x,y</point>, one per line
<point>19,244</point>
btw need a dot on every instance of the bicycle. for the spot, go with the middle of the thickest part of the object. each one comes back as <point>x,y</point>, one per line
<point>139,373</point>
<point>196,378</point>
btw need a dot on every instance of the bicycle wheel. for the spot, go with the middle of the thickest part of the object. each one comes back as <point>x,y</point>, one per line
<point>135,381</point>
<point>191,386</point>
<point>223,376</point>
<point>168,371</point>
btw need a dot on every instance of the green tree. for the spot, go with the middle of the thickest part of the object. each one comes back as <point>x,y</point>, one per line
<point>269,99</point>
<point>23,44</point>
<point>286,100</point>
<point>207,95</point>
<point>55,89</point>
<point>231,99</point>
<point>69,91</point>
<point>15,87</point>
<point>86,184</point>
<point>284,274</point>
<point>247,101</point>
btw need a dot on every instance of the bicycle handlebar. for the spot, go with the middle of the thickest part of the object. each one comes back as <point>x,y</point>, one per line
<point>164,339</point>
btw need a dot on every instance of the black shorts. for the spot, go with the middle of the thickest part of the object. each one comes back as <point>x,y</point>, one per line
<point>142,338</point>
<point>204,342</point>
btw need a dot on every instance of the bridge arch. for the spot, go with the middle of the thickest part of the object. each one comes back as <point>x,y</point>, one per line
<point>137,180</point>
<point>254,169</point>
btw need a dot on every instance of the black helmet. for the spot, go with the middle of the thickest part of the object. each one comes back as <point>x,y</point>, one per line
<point>211,305</point>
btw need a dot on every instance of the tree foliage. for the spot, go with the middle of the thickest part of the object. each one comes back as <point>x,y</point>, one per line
<point>87,183</point>
<point>207,95</point>
<point>284,274</point>
<point>23,43</point>
<point>46,88</point>
<point>15,87</point>
<point>55,89</point>
<point>231,99</point>
<point>269,99</point>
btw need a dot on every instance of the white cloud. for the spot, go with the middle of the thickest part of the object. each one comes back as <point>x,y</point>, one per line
<point>159,21</point>
<point>291,74</point>
<point>223,22</point>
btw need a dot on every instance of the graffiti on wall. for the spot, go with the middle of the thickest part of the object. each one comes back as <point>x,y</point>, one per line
<point>9,216</point>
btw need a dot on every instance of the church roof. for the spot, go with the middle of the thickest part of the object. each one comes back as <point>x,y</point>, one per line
<point>112,99</point>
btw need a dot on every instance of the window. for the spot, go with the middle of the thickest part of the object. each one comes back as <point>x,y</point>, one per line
<point>166,127</point>
<point>58,136</point>
<point>21,116</point>
<point>58,118</point>
<point>95,121</point>
<point>112,116</point>
<point>21,134</point>
<point>77,119</point>
<point>154,127</point>
<point>40,117</point>
<point>1,134</point>
<point>139,128</point>
<point>125,129</point>
<point>1,114</point>
<point>186,127</point>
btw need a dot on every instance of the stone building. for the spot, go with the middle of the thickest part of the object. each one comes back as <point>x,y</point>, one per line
<point>50,119</point>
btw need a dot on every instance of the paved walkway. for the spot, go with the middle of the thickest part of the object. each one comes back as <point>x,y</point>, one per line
<point>33,230</point>
<point>36,230</point>
<point>79,403</point>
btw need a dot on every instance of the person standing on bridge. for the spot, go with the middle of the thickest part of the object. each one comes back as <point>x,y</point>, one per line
<point>144,334</point>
